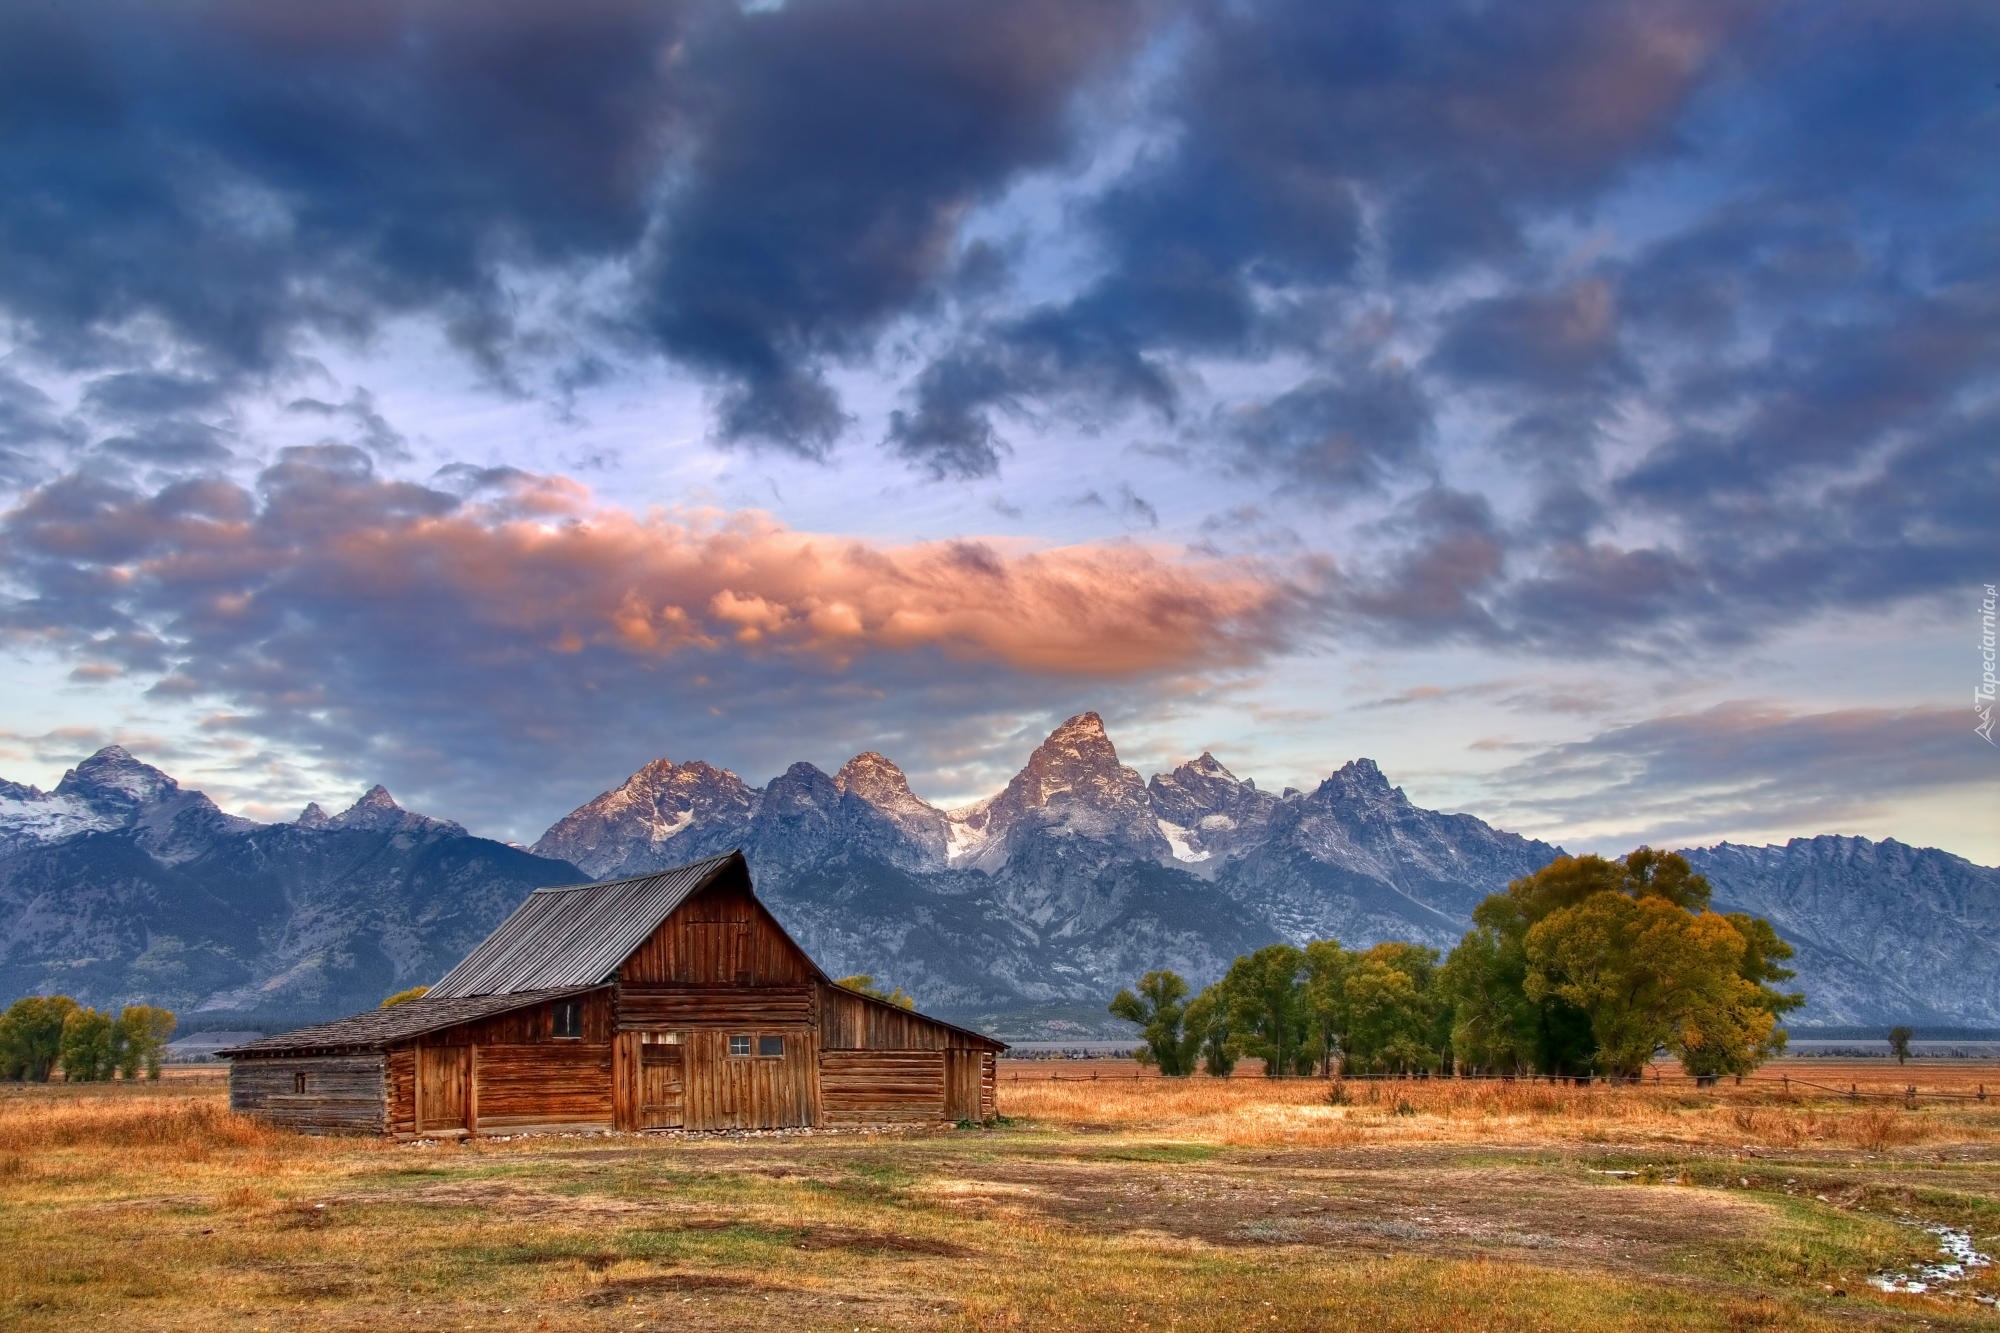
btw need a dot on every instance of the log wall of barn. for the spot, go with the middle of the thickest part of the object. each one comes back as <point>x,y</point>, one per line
<point>646,1006</point>
<point>343,1094</point>
<point>852,1022</point>
<point>881,1087</point>
<point>880,1062</point>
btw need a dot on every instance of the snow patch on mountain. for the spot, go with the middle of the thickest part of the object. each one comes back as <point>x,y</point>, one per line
<point>1181,841</point>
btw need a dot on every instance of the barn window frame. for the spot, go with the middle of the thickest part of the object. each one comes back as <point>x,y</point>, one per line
<point>756,1046</point>
<point>770,1044</point>
<point>566,1020</point>
<point>298,1082</point>
<point>739,1044</point>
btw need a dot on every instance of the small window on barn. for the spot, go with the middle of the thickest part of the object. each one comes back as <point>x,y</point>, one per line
<point>568,1019</point>
<point>739,1045</point>
<point>299,1081</point>
<point>768,1045</point>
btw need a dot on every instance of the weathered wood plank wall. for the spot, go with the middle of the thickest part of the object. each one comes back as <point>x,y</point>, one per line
<point>542,1084</point>
<point>519,1074</point>
<point>654,1006</point>
<point>724,1091</point>
<point>881,1087</point>
<point>721,937</point>
<point>851,1022</point>
<point>401,1089</point>
<point>343,1093</point>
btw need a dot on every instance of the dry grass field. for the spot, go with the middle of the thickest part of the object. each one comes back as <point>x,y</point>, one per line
<point>1203,1204</point>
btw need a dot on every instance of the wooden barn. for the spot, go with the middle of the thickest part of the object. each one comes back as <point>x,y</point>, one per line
<point>670,1001</point>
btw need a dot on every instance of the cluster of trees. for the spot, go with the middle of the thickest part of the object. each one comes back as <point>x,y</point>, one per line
<point>1586,966</point>
<point>42,1033</point>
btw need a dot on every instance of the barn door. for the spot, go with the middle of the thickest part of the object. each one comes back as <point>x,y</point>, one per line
<point>444,1086</point>
<point>662,1081</point>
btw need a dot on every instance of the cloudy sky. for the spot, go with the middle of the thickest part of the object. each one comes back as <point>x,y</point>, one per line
<point>1589,411</point>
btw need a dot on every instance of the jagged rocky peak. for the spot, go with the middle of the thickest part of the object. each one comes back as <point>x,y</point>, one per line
<point>1363,779</point>
<point>1199,787</point>
<point>1073,786</point>
<point>377,812</point>
<point>800,788</point>
<point>876,780</point>
<point>664,814</point>
<point>1205,810</point>
<point>672,788</point>
<point>313,817</point>
<point>1077,761</point>
<point>112,779</point>
<point>887,818</point>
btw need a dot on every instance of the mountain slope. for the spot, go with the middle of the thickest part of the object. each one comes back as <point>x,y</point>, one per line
<point>1884,931</point>
<point>1022,912</point>
<point>165,899</point>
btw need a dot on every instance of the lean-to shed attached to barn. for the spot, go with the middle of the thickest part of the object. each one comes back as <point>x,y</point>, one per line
<point>668,1001</point>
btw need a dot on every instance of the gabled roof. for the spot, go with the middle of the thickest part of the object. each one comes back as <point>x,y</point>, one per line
<point>560,941</point>
<point>380,1027</point>
<point>578,934</point>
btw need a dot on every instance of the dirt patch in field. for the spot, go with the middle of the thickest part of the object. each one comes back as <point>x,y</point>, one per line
<point>620,1290</point>
<point>838,1238</point>
<point>1453,1211</point>
<point>828,1238</point>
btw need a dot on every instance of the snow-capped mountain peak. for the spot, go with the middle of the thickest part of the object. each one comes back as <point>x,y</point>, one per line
<point>113,781</point>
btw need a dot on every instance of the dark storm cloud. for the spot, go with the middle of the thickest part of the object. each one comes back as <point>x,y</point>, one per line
<point>1830,390</point>
<point>143,395</point>
<point>1557,342</point>
<point>31,425</point>
<point>842,142</point>
<point>1448,553</point>
<point>243,171</point>
<point>781,182</point>
<point>1339,434</point>
<point>1461,125</point>
<point>173,444</point>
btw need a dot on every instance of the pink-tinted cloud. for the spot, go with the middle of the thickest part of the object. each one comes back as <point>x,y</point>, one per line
<point>432,637</point>
<point>540,566</point>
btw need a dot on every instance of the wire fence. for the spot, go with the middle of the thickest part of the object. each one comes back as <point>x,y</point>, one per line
<point>1908,1095</point>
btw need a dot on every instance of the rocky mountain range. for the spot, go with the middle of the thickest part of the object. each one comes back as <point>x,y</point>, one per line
<point>1021,913</point>
<point>121,886</point>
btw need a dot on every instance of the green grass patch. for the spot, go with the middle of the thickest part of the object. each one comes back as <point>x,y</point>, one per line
<point>1153,1152</point>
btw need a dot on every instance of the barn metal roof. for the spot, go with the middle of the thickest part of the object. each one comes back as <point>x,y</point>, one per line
<point>381,1027</point>
<point>578,934</point>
